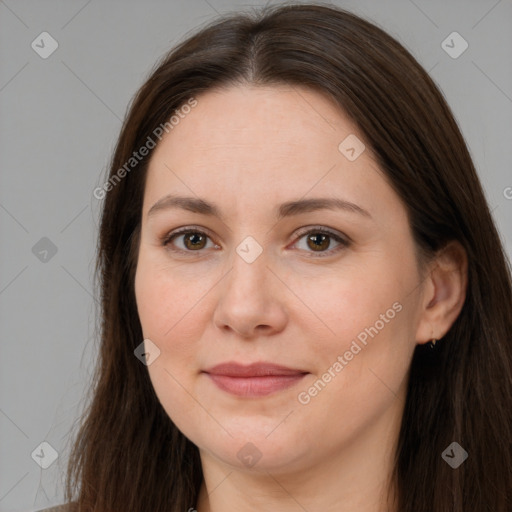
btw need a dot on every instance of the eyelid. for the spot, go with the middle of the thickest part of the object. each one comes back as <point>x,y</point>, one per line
<point>323,229</point>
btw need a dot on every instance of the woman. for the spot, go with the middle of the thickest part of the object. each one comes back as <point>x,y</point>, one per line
<point>305,301</point>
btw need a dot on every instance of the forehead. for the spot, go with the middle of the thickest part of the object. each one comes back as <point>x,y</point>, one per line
<point>261,143</point>
<point>278,117</point>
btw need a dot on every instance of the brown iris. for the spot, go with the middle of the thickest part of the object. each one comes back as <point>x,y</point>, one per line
<point>194,240</point>
<point>319,241</point>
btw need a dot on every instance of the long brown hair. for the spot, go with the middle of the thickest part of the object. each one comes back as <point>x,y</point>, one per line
<point>128,455</point>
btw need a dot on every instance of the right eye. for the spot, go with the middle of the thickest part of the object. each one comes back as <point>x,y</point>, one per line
<point>192,240</point>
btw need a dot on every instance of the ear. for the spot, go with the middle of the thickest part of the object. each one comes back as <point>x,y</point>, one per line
<point>444,293</point>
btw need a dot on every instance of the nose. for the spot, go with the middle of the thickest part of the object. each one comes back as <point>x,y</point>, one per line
<point>251,299</point>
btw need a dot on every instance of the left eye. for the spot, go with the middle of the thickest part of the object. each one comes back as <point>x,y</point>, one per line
<point>318,240</point>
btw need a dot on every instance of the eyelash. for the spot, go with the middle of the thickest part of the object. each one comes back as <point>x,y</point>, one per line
<point>344,242</point>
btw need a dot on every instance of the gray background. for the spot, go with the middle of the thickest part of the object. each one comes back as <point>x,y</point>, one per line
<point>60,117</point>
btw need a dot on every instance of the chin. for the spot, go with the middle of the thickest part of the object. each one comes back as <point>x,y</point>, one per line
<point>250,450</point>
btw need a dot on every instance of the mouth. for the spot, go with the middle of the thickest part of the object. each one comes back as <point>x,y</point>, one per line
<point>257,379</point>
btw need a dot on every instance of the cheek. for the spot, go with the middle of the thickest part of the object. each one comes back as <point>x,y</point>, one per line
<point>174,310</point>
<point>166,312</point>
<point>163,317</point>
<point>365,318</point>
<point>168,298</point>
<point>349,300</point>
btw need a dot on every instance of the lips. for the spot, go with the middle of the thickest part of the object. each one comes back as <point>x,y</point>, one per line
<point>254,380</point>
<point>232,369</point>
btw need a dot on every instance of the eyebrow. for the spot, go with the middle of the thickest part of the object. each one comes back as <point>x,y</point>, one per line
<point>288,209</point>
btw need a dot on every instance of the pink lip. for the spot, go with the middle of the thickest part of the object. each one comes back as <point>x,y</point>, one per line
<point>257,379</point>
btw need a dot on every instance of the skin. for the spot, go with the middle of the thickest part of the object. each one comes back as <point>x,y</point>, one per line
<point>248,149</point>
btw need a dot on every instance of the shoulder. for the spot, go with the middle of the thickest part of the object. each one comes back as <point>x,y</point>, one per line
<point>67,507</point>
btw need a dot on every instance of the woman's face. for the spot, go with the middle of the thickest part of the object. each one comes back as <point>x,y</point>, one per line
<point>256,279</point>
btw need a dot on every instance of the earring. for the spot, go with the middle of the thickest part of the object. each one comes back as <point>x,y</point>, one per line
<point>433,343</point>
